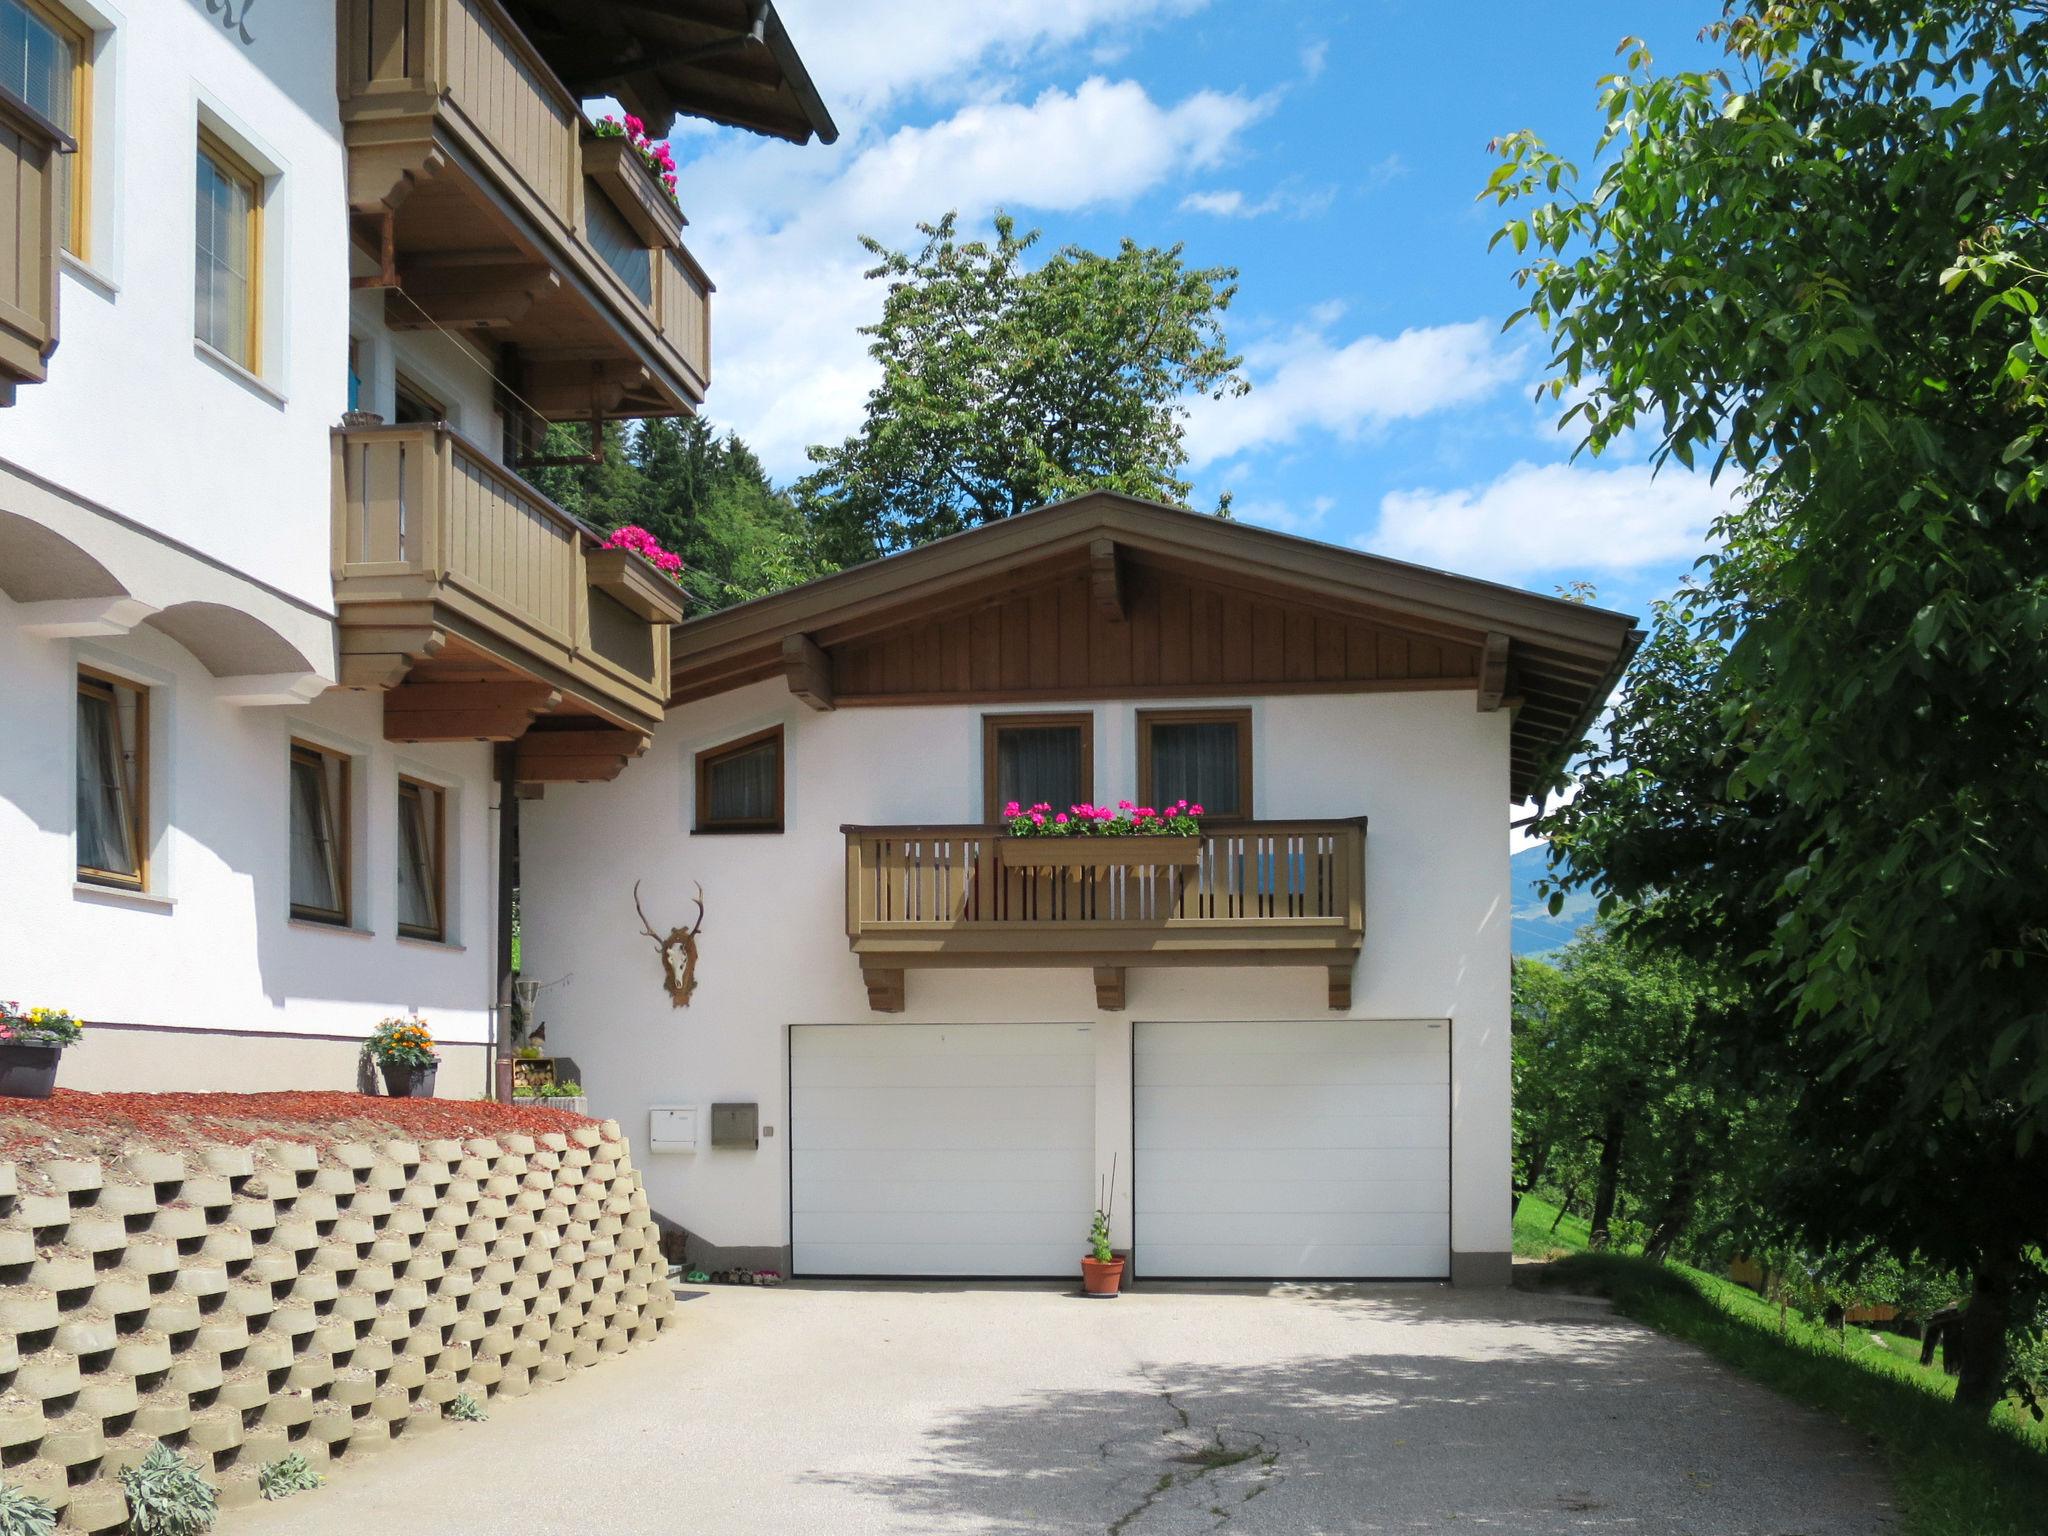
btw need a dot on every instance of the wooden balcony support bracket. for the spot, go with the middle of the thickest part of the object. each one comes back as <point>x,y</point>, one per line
<point>379,656</point>
<point>809,670</point>
<point>1106,579</point>
<point>381,224</point>
<point>576,757</point>
<point>1493,672</point>
<point>885,988</point>
<point>484,298</point>
<point>465,711</point>
<point>1109,988</point>
<point>1340,986</point>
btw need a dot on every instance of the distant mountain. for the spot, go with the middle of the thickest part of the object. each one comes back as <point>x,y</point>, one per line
<point>1536,931</point>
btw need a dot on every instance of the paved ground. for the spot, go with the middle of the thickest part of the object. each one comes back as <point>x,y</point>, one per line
<point>1015,1411</point>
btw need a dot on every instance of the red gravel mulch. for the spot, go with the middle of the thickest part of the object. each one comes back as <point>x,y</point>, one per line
<point>100,1124</point>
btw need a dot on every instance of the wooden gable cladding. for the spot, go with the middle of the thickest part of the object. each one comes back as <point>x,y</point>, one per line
<point>1180,635</point>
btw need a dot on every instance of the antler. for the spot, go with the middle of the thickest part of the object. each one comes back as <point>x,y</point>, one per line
<point>646,926</point>
<point>697,927</point>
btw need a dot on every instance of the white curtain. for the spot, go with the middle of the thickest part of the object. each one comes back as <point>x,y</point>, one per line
<point>742,786</point>
<point>315,879</point>
<point>1039,764</point>
<point>1196,761</point>
<point>419,883</point>
<point>106,836</point>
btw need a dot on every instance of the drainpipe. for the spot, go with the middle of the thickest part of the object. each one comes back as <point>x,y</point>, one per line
<point>506,753</point>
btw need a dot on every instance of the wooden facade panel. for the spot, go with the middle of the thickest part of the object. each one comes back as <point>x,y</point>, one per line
<point>1180,635</point>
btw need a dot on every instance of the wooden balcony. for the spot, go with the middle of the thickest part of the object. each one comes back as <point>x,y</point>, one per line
<point>479,190</point>
<point>1257,893</point>
<point>489,612</point>
<point>29,242</point>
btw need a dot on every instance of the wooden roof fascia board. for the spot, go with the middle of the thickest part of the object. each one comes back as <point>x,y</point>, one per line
<point>1406,592</point>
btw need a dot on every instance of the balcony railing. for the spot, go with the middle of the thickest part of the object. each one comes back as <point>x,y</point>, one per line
<point>431,534</point>
<point>1258,893</point>
<point>422,76</point>
<point>29,146</point>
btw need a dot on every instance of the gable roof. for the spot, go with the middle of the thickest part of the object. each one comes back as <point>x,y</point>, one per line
<point>1551,660</point>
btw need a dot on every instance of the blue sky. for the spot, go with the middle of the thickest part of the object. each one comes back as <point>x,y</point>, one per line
<point>1330,152</point>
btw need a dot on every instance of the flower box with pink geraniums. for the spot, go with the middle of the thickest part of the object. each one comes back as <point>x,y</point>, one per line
<point>1100,837</point>
<point>637,572</point>
<point>638,174</point>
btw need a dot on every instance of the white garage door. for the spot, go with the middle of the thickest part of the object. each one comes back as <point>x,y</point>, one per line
<point>1316,1150</point>
<point>940,1149</point>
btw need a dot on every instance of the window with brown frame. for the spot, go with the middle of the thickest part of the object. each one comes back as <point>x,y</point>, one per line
<point>319,834</point>
<point>1034,759</point>
<point>1203,756</point>
<point>46,60</point>
<point>411,405</point>
<point>422,871</point>
<point>113,781</point>
<point>228,255</point>
<point>739,784</point>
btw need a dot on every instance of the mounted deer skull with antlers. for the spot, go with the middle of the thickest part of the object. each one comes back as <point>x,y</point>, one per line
<point>678,951</point>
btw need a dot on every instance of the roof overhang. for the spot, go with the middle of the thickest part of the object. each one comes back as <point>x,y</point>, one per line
<point>1554,662</point>
<point>728,61</point>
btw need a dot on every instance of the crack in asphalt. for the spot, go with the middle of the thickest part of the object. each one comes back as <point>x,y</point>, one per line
<point>1205,1454</point>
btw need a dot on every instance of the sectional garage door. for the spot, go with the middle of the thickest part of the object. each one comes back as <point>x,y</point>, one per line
<point>1312,1150</point>
<point>939,1149</point>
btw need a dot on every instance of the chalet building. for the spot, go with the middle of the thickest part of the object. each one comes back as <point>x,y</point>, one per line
<point>911,1046</point>
<point>281,629</point>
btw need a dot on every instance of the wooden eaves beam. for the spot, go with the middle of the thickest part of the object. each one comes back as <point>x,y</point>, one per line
<point>1493,671</point>
<point>809,670</point>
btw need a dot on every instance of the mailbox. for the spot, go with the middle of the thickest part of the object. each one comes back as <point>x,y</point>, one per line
<point>672,1128</point>
<point>736,1125</point>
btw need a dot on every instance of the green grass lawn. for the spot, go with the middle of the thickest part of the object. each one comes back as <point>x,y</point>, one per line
<point>1951,1477</point>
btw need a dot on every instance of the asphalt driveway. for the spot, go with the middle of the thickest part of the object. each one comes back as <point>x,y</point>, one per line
<point>1016,1409</point>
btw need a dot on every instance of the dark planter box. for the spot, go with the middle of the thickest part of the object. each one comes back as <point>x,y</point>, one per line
<point>408,1082</point>
<point>28,1071</point>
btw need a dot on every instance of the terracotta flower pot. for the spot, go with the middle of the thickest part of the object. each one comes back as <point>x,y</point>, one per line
<point>28,1071</point>
<point>1100,1278</point>
<point>408,1082</point>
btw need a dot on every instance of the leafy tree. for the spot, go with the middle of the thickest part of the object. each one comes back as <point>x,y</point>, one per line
<point>1005,386</point>
<point>1782,268</point>
<point>704,496</point>
<point>1616,1052</point>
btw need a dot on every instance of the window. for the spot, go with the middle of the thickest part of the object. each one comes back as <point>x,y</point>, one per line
<point>739,785</point>
<point>413,405</point>
<point>46,60</point>
<point>1203,756</point>
<point>228,258</point>
<point>319,831</point>
<point>1034,758</point>
<point>422,819</point>
<point>113,781</point>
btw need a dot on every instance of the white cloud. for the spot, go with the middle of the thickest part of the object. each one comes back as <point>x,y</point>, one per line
<point>864,56</point>
<point>1230,203</point>
<point>1306,382</point>
<point>1566,519</point>
<point>1313,58</point>
<point>777,227</point>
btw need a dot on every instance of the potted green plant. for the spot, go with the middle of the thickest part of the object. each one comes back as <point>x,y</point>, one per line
<point>31,1041</point>
<point>404,1052</point>
<point>1102,1272</point>
<point>1102,1268</point>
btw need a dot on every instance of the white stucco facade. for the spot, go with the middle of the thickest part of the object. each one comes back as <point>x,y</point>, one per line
<point>203,493</point>
<point>1429,771</point>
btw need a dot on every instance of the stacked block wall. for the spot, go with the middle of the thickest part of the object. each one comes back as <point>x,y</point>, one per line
<point>242,1302</point>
